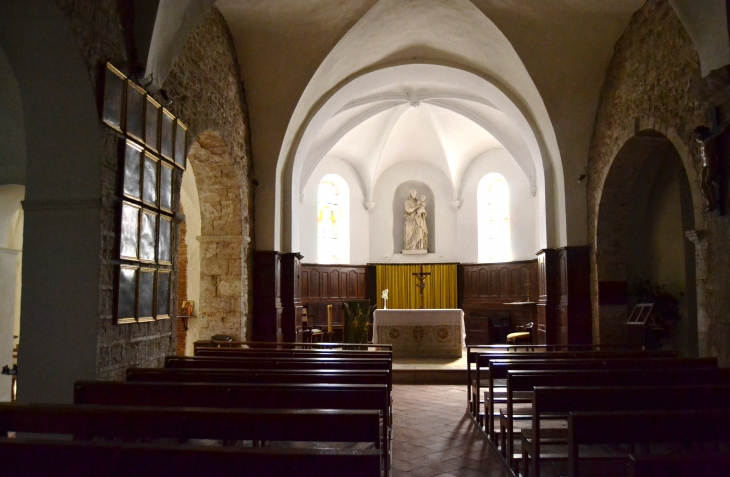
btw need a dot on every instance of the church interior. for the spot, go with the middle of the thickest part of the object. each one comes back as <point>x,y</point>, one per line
<point>403,190</point>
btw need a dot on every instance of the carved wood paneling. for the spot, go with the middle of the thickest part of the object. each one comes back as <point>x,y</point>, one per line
<point>485,288</point>
<point>324,285</point>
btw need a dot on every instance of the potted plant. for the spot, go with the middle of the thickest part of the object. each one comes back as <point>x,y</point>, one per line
<point>357,320</point>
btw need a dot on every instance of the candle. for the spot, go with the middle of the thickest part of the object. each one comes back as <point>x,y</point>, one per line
<point>329,318</point>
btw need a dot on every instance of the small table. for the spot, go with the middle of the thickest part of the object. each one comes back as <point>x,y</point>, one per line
<point>421,333</point>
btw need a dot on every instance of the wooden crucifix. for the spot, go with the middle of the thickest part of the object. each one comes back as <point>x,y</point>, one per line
<point>421,277</point>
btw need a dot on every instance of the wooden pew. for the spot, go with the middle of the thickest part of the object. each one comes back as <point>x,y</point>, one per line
<point>284,345</point>
<point>293,376</point>
<point>705,464</point>
<point>561,400</point>
<point>472,351</point>
<point>91,459</point>
<point>281,363</point>
<point>645,428</point>
<point>521,381</point>
<point>498,370</point>
<point>132,422</point>
<point>306,353</point>
<point>233,395</point>
<point>482,364</point>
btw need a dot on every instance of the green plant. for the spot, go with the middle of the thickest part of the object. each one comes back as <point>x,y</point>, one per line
<point>666,305</point>
<point>357,320</point>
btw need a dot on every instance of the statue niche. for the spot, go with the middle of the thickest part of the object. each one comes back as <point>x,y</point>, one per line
<point>415,234</point>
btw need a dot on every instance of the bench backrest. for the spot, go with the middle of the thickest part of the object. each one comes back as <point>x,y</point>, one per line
<point>288,345</point>
<point>233,395</point>
<point>565,399</point>
<point>473,350</point>
<point>527,379</point>
<point>482,359</point>
<point>705,464</point>
<point>306,353</point>
<point>649,426</point>
<point>209,375</point>
<point>91,459</point>
<point>498,368</point>
<point>646,428</point>
<point>280,363</point>
<point>92,421</point>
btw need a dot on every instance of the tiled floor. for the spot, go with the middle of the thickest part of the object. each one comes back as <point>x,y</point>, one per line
<point>433,436</point>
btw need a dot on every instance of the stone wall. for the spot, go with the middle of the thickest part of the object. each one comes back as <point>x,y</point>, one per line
<point>206,90</point>
<point>102,29</point>
<point>207,95</point>
<point>653,90</point>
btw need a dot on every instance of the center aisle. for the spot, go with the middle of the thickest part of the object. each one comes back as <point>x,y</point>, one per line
<point>434,436</point>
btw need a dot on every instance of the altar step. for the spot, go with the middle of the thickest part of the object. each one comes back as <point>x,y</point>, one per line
<point>429,376</point>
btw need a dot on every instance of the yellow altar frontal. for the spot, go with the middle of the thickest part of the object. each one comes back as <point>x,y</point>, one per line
<point>421,333</point>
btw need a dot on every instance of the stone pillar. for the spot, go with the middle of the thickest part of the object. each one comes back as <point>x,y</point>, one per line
<point>699,239</point>
<point>221,291</point>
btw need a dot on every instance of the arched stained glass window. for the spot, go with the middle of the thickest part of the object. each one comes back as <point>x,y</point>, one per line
<point>333,220</point>
<point>493,219</point>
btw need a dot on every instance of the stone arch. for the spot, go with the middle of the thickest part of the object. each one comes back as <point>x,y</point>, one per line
<point>222,244</point>
<point>611,260</point>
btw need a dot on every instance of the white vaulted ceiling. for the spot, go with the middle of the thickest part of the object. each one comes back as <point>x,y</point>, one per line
<point>429,122</point>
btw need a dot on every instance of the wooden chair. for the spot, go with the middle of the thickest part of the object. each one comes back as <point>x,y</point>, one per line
<point>524,336</point>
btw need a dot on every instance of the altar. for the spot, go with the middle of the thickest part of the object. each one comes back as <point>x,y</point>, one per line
<point>421,333</point>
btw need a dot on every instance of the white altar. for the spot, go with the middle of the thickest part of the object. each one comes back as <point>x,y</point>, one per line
<point>421,333</point>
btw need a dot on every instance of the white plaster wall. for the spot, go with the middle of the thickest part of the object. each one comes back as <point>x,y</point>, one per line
<point>381,217</point>
<point>11,243</point>
<point>191,206</point>
<point>359,217</point>
<point>523,207</point>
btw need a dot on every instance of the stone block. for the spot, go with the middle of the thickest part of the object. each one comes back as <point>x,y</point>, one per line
<point>229,286</point>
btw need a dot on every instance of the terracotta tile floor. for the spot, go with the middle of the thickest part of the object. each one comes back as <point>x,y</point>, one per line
<point>433,436</point>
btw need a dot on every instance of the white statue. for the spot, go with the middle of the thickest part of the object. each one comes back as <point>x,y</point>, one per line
<point>384,295</point>
<point>416,232</point>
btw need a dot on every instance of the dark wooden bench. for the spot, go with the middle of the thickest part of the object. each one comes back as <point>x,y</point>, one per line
<point>304,353</point>
<point>472,351</point>
<point>644,428</point>
<point>705,464</point>
<point>294,376</point>
<point>558,401</point>
<point>281,363</point>
<point>496,392</point>
<point>285,345</point>
<point>482,366</point>
<point>248,396</point>
<point>133,422</point>
<point>42,458</point>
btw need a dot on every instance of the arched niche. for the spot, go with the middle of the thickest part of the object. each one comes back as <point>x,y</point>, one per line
<point>645,210</point>
<point>399,200</point>
<point>221,240</point>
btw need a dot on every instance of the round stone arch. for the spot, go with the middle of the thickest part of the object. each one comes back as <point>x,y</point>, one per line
<point>610,220</point>
<point>222,243</point>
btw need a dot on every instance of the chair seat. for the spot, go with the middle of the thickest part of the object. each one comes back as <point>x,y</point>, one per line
<point>519,335</point>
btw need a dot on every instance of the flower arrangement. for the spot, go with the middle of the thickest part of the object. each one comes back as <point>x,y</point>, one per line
<point>384,296</point>
<point>358,319</point>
